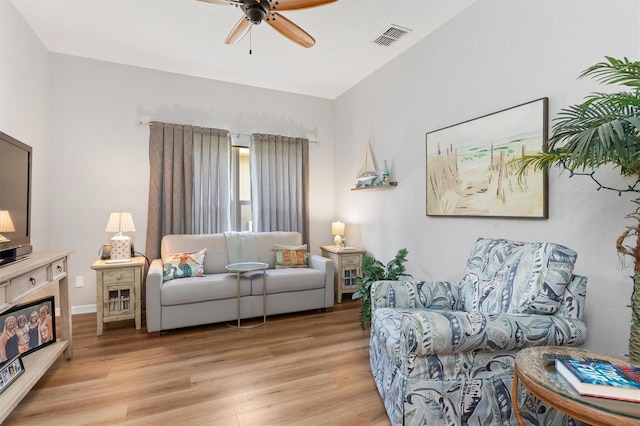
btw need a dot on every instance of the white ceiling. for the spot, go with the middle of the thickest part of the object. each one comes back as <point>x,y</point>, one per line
<point>187,37</point>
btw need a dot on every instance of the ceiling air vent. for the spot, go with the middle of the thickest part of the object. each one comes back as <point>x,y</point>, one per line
<point>390,35</point>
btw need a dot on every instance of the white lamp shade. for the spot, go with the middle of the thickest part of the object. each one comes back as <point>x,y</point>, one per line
<point>337,228</point>
<point>120,222</point>
<point>6,224</point>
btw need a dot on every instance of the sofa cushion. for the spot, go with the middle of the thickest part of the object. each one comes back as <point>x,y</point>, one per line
<point>183,265</point>
<point>202,289</point>
<point>266,240</point>
<point>516,277</point>
<point>290,256</point>
<point>217,256</point>
<point>217,252</point>
<point>287,280</point>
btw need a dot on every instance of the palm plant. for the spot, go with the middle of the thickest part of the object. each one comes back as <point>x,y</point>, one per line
<point>603,130</point>
<point>373,270</point>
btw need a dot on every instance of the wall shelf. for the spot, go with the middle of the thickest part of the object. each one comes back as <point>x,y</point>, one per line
<point>391,185</point>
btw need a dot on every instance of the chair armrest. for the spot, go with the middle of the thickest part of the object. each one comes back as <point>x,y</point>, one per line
<point>447,332</point>
<point>324,265</point>
<point>153,285</point>
<point>415,294</point>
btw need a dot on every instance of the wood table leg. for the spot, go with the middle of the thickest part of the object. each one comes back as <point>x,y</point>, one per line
<point>514,397</point>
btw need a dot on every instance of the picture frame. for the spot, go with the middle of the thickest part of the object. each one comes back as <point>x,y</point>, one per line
<point>10,371</point>
<point>470,171</point>
<point>34,327</point>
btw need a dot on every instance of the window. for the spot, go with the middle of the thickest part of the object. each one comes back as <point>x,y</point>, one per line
<point>240,190</point>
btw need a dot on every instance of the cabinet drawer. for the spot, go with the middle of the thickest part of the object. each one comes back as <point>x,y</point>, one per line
<point>58,270</point>
<point>118,276</point>
<point>351,261</point>
<point>27,283</point>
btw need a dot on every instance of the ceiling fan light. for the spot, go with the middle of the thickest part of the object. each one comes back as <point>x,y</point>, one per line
<point>255,13</point>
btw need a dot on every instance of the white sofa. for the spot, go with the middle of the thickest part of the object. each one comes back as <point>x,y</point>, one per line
<point>185,302</point>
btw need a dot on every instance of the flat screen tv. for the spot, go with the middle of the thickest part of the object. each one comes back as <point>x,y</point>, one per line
<point>15,199</point>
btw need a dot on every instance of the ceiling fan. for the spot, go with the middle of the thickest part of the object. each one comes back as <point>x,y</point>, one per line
<point>257,11</point>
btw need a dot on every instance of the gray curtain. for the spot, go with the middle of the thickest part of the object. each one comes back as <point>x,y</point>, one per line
<point>189,182</point>
<point>280,184</point>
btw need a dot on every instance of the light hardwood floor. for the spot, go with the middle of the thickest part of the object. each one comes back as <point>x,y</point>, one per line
<point>304,369</point>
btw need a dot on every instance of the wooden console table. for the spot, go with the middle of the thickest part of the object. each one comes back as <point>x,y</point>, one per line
<point>19,282</point>
<point>543,382</point>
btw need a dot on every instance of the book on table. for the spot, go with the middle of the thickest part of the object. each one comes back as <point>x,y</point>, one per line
<point>615,381</point>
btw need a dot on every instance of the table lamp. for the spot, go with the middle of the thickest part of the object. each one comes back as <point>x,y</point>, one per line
<point>120,244</point>
<point>337,229</point>
<point>6,225</point>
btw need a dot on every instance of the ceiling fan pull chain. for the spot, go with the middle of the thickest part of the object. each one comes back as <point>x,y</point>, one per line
<point>250,41</point>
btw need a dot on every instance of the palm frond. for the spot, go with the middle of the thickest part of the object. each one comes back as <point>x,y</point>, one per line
<point>615,71</point>
<point>605,129</point>
<point>539,161</point>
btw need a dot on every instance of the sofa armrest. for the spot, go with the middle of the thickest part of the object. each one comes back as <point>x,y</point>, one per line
<point>429,332</point>
<point>153,285</point>
<point>326,266</point>
<point>415,294</point>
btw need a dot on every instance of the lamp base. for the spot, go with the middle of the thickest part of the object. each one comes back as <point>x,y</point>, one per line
<point>120,248</point>
<point>337,240</point>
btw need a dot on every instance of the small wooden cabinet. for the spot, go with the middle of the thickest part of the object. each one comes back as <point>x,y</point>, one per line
<point>347,262</point>
<point>118,291</point>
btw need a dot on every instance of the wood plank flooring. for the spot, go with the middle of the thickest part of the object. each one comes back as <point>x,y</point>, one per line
<point>310,368</point>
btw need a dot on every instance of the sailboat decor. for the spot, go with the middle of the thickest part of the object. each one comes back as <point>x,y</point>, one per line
<point>368,177</point>
<point>367,173</point>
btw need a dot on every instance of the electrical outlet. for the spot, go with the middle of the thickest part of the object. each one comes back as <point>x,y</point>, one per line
<point>79,281</point>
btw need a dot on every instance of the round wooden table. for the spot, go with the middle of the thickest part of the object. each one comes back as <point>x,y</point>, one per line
<point>543,382</point>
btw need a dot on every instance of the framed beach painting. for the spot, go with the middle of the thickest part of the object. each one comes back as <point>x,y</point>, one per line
<point>470,171</point>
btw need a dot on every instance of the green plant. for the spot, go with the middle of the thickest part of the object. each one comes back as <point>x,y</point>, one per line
<point>603,130</point>
<point>373,270</point>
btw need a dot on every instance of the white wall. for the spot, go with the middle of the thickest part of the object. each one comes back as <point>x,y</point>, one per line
<point>24,107</point>
<point>101,155</point>
<point>496,54</point>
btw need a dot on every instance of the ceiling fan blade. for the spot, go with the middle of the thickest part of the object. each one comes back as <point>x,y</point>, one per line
<point>224,2</point>
<point>240,30</point>
<point>298,4</point>
<point>290,30</point>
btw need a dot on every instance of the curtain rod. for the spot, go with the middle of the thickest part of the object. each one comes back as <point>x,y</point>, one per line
<point>147,123</point>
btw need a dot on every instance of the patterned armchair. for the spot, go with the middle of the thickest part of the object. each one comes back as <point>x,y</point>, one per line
<point>442,353</point>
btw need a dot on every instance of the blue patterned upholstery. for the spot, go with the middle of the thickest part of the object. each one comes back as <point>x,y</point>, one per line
<point>443,352</point>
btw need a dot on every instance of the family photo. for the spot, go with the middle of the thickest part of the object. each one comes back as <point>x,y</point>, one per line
<point>26,328</point>
<point>10,371</point>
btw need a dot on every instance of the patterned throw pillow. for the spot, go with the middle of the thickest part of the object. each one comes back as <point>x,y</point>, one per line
<point>290,256</point>
<point>183,265</point>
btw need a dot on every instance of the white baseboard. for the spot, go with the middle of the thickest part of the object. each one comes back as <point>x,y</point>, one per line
<point>83,309</point>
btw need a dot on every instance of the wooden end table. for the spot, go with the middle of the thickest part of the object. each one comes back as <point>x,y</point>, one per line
<point>347,264</point>
<point>543,382</point>
<point>118,291</point>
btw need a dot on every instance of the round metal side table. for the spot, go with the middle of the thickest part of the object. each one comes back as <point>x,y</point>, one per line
<point>241,268</point>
